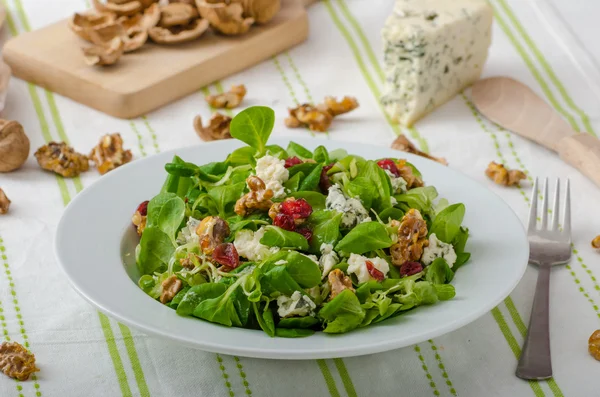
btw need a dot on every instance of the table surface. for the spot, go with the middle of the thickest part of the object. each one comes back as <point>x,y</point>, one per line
<point>550,45</point>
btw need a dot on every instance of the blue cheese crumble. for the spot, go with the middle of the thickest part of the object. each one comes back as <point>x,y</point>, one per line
<point>433,49</point>
<point>352,209</point>
<point>438,249</point>
<point>247,243</point>
<point>357,265</point>
<point>296,305</point>
<point>329,258</point>
<point>273,173</point>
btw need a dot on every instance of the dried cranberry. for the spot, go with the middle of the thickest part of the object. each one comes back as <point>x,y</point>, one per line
<point>225,254</point>
<point>389,165</point>
<point>324,182</point>
<point>306,232</point>
<point>292,161</point>
<point>284,221</point>
<point>374,272</point>
<point>143,208</point>
<point>296,208</point>
<point>410,268</point>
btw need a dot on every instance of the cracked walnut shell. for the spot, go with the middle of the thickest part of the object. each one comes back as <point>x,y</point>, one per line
<point>412,238</point>
<point>217,128</point>
<point>122,7</point>
<point>109,153</point>
<point>14,146</point>
<point>175,14</point>
<point>62,159</point>
<point>262,11</point>
<point>103,53</point>
<point>403,144</point>
<point>225,18</point>
<point>81,24</point>
<point>16,361</point>
<point>230,99</point>
<point>179,34</point>
<point>502,176</point>
<point>258,199</point>
<point>4,202</point>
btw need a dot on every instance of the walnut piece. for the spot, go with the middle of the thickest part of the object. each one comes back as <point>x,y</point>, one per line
<point>14,145</point>
<point>170,287</point>
<point>225,18</point>
<point>403,144</point>
<point>307,115</point>
<point>502,176</point>
<point>122,7</point>
<point>4,202</point>
<point>109,153</point>
<point>596,242</point>
<point>62,159</point>
<point>187,262</point>
<point>339,282</point>
<point>262,11</point>
<point>412,238</point>
<point>319,118</point>
<point>229,100</point>
<point>258,199</point>
<point>406,172</point>
<point>594,344</point>
<point>139,221</point>
<point>217,128</point>
<point>335,107</point>
<point>212,232</point>
<point>16,361</point>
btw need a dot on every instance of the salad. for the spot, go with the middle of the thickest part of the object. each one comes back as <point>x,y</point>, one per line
<point>294,241</point>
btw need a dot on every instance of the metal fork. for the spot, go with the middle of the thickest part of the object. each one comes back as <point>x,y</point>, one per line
<point>549,245</point>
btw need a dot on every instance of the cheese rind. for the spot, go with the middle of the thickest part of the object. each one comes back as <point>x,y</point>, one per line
<point>433,49</point>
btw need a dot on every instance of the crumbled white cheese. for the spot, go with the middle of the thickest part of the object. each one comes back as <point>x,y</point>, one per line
<point>352,209</point>
<point>437,249</point>
<point>247,243</point>
<point>328,259</point>
<point>188,233</point>
<point>357,264</point>
<point>273,173</point>
<point>433,49</point>
<point>398,184</point>
<point>296,305</point>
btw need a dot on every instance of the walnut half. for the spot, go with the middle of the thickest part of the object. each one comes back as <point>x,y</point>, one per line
<point>596,242</point>
<point>319,117</point>
<point>229,100</point>
<point>258,199</point>
<point>502,176</point>
<point>170,287</point>
<point>109,153</point>
<point>339,282</point>
<point>412,238</point>
<point>62,159</point>
<point>16,361</point>
<point>217,128</point>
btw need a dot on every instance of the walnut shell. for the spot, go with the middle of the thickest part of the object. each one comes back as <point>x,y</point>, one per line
<point>262,11</point>
<point>225,18</point>
<point>14,145</point>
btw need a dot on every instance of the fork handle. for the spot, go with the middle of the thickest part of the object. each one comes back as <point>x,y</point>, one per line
<point>535,362</point>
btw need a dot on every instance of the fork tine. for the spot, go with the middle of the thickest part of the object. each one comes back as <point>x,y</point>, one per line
<point>567,211</point>
<point>533,209</point>
<point>555,208</point>
<point>545,206</point>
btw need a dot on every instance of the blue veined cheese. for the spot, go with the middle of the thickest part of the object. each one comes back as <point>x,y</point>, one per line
<point>438,249</point>
<point>295,305</point>
<point>273,173</point>
<point>433,49</point>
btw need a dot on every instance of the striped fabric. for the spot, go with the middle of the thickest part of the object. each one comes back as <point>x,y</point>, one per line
<point>82,352</point>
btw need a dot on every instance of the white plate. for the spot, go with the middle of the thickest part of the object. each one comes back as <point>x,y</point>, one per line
<point>95,240</point>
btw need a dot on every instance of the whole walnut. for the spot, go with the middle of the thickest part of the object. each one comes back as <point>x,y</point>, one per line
<point>14,145</point>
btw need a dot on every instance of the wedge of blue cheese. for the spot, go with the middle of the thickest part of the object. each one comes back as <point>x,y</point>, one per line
<point>433,49</point>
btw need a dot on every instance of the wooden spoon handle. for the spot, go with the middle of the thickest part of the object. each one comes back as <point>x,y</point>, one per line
<point>517,108</point>
<point>582,151</point>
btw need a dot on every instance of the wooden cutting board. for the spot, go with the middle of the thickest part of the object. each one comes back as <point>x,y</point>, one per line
<point>155,75</point>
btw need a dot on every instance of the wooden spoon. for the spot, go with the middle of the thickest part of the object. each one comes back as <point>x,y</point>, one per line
<point>517,108</point>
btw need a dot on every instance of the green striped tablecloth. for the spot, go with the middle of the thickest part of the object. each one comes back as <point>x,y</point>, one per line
<point>84,353</point>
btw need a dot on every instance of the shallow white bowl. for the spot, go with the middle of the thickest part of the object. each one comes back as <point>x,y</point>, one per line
<point>95,241</point>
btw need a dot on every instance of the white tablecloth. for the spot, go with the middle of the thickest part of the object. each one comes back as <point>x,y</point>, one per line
<point>83,353</point>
